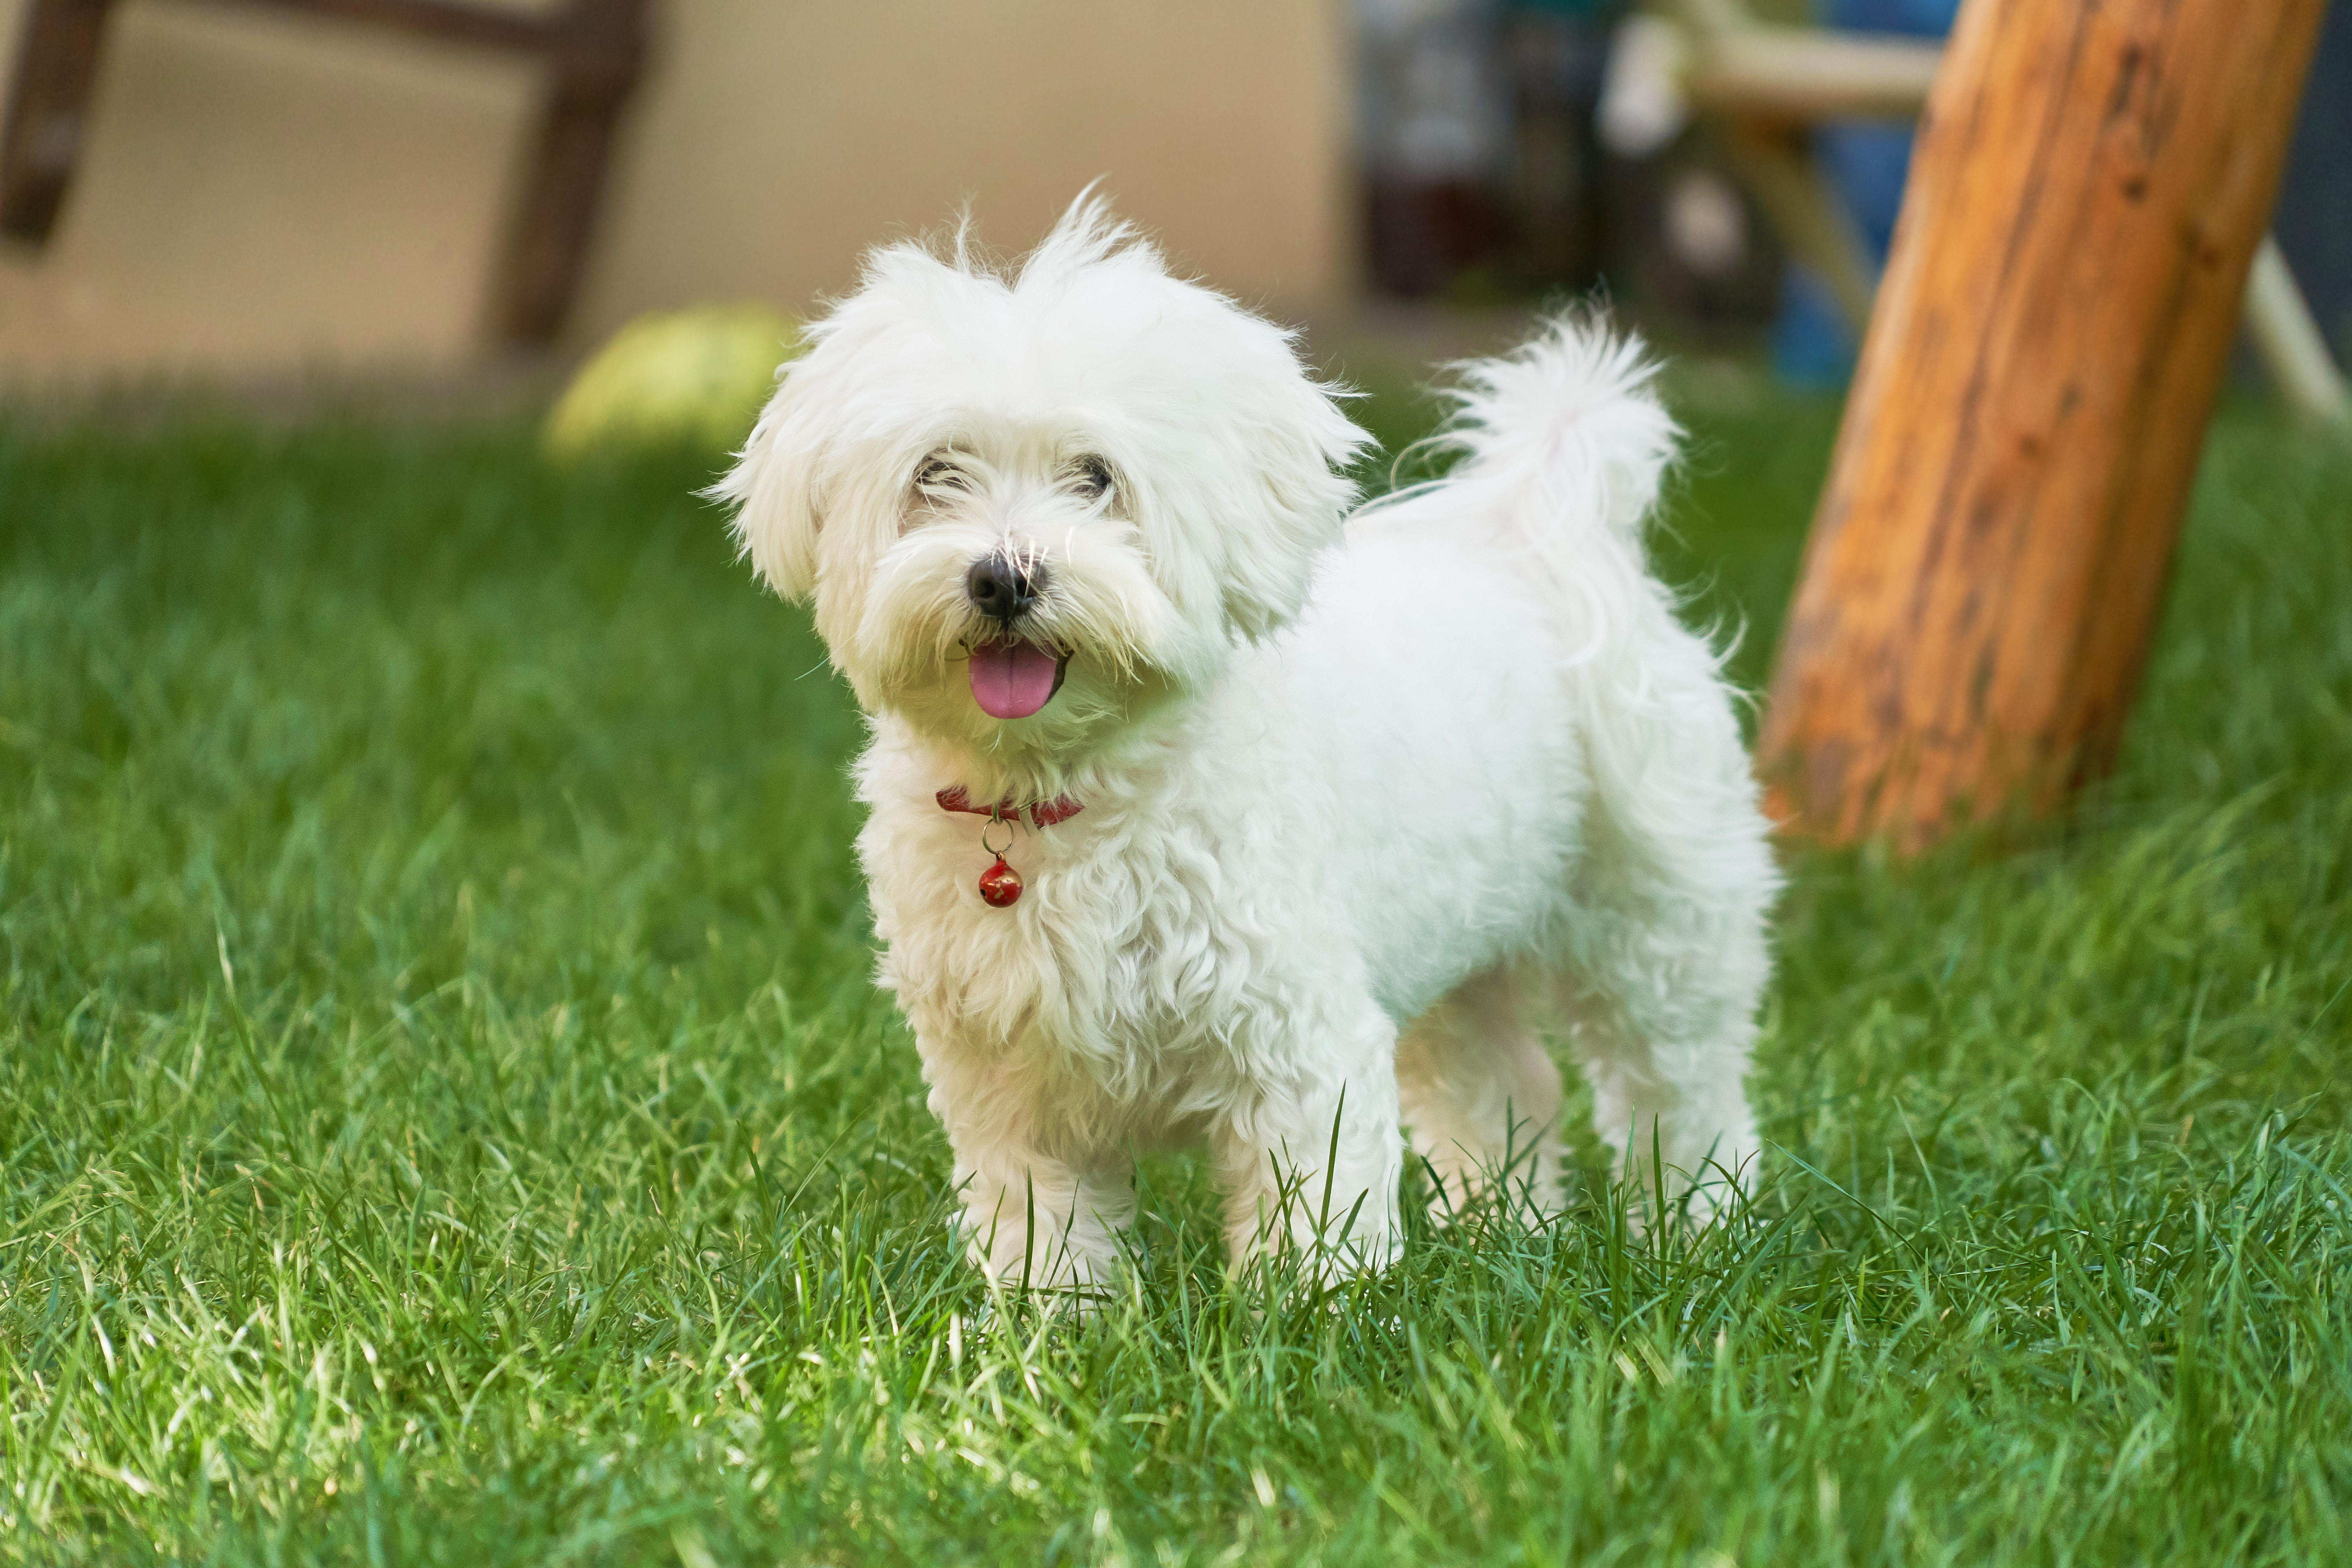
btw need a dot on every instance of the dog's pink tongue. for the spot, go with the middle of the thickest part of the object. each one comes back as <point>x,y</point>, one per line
<point>1011,679</point>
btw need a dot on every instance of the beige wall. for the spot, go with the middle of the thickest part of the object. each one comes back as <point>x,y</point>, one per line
<point>266,191</point>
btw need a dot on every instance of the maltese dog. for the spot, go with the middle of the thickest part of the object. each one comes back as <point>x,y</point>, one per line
<point>1203,812</point>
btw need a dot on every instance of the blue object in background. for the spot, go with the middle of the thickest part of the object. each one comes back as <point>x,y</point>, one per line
<point>1865,162</point>
<point>2314,219</point>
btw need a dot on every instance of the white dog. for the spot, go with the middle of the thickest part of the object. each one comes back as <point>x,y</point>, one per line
<point>1202,812</point>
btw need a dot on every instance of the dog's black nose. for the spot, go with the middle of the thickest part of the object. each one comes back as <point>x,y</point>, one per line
<point>1000,588</point>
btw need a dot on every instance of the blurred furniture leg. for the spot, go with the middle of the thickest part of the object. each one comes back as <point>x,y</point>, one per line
<point>595,53</point>
<point>48,112</point>
<point>1777,165</point>
<point>1768,86</point>
<point>2289,340</point>
<point>597,66</point>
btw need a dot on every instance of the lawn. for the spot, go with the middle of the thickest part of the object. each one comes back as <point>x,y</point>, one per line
<point>444,1117</point>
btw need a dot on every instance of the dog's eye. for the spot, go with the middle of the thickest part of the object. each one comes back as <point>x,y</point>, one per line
<point>1090,477</point>
<point>938,472</point>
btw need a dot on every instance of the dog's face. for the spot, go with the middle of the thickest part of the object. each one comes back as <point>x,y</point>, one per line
<point>1031,509</point>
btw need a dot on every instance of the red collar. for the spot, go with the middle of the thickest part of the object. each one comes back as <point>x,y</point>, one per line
<point>1043,813</point>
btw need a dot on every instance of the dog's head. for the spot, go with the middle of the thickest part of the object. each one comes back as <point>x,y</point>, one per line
<point>1031,507</point>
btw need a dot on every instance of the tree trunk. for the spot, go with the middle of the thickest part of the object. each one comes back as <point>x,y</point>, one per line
<point>2090,182</point>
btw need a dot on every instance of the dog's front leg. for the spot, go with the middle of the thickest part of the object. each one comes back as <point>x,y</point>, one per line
<point>1034,1219</point>
<point>1032,1222</point>
<point>1310,1167</point>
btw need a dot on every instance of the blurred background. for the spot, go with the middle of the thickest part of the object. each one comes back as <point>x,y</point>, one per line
<point>272,190</point>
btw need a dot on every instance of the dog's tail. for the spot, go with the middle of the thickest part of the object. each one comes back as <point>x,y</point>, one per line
<point>1563,446</point>
<point>1569,425</point>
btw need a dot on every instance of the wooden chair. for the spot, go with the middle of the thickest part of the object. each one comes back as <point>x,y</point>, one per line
<point>1767,86</point>
<point>595,48</point>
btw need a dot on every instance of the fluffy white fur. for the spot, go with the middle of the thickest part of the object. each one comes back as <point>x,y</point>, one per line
<point>1368,802</point>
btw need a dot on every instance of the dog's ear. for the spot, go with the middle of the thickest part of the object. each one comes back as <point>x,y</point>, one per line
<point>773,489</point>
<point>1290,442</point>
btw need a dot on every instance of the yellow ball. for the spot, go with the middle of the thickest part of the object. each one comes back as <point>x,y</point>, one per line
<point>694,377</point>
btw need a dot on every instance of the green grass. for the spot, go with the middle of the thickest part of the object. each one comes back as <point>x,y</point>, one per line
<point>444,1117</point>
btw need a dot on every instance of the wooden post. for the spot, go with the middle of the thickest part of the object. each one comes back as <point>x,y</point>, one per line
<point>2090,182</point>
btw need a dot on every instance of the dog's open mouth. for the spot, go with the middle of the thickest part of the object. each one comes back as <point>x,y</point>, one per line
<point>1012,680</point>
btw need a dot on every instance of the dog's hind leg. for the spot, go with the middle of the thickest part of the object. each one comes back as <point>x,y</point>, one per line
<point>1481,1096</point>
<point>1666,960</point>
